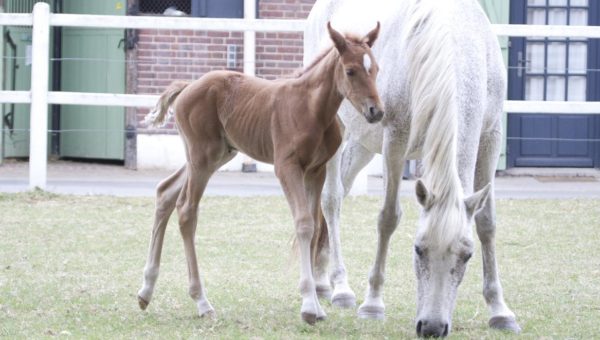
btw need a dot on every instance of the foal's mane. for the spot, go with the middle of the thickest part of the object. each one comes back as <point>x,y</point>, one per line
<point>353,39</point>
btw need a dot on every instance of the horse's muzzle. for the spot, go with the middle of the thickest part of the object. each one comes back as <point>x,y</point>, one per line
<point>374,115</point>
<point>432,328</point>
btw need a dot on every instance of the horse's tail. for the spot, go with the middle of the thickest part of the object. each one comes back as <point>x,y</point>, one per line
<point>157,116</point>
<point>430,50</point>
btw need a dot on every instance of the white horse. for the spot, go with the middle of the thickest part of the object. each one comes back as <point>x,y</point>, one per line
<point>442,82</point>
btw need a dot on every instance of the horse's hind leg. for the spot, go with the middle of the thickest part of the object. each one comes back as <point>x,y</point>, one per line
<point>389,217</point>
<point>501,316</point>
<point>166,197</point>
<point>342,169</point>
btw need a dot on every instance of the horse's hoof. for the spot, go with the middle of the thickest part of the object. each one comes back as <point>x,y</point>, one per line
<point>324,292</point>
<point>309,318</point>
<point>344,300</point>
<point>371,312</point>
<point>508,323</point>
<point>143,303</point>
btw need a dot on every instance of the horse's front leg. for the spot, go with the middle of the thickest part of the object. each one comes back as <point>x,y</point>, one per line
<point>341,172</point>
<point>291,177</point>
<point>389,217</point>
<point>501,316</point>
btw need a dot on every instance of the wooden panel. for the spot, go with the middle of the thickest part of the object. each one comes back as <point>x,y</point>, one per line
<point>93,62</point>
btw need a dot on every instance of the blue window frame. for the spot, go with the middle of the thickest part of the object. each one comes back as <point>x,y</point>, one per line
<point>542,68</point>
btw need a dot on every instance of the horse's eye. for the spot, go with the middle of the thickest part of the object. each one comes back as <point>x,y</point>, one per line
<point>466,257</point>
<point>350,72</point>
<point>418,251</point>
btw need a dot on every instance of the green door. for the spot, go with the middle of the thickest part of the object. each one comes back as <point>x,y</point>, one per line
<point>92,62</point>
<point>17,77</point>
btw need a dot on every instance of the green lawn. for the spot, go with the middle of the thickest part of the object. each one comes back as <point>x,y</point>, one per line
<point>71,266</point>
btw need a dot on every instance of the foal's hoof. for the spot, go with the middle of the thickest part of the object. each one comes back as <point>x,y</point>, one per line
<point>143,303</point>
<point>205,310</point>
<point>344,300</point>
<point>508,323</point>
<point>309,318</point>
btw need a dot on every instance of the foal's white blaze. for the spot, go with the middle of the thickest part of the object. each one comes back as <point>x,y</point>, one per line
<point>367,62</point>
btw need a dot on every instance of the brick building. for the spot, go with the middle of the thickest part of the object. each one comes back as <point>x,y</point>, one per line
<point>163,56</point>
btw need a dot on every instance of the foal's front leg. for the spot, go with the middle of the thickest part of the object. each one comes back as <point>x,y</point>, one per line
<point>291,177</point>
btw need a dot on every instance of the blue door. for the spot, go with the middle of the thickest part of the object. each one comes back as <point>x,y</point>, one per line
<point>554,69</point>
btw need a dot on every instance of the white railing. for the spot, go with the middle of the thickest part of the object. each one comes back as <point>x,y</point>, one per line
<point>41,19</point>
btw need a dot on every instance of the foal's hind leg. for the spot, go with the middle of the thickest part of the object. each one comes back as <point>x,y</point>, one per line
<point>200,168</point>
<point>389,217</point>
<point>341,172</point>
<point>501,316</point>
<point>166,197</point>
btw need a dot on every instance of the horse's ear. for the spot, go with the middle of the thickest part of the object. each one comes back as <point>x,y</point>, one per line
<point>476,202</point>
<point>370,38</point>
<point>424,197</point>
<point>338,40</point>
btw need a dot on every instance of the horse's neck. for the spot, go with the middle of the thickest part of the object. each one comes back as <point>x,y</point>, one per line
<point>319,84</point>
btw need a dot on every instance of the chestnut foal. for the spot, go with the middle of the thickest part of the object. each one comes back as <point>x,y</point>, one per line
<point>290,123</point>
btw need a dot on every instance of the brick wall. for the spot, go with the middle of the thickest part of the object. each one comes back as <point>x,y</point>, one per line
<point>167,55</point>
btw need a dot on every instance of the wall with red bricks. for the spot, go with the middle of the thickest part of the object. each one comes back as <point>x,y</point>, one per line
<point>167,55</point>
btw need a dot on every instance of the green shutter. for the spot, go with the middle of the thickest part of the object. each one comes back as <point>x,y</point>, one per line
<point>499,13</point>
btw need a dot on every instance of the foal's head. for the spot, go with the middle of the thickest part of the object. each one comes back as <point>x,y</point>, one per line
<point>443,246</point>
<point>357,72</point>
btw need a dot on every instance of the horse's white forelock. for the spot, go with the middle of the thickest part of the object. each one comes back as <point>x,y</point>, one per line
<point>430,48</point>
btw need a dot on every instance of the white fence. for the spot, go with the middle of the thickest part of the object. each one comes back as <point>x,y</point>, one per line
<point>39,97</point>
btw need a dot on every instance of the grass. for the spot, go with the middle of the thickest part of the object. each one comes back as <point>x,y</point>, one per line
<point>71,266</point>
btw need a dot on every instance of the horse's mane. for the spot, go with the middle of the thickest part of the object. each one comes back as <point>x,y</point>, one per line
<point>429,49</point>
<point>353,39</point>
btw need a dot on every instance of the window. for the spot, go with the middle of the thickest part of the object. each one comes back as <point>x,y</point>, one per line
<point>196,8</point>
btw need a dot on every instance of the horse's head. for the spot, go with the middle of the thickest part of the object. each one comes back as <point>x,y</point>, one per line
<point>443,246</point>
<point>357,72</point>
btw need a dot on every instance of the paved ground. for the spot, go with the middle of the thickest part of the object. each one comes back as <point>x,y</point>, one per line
<point>98,179</point>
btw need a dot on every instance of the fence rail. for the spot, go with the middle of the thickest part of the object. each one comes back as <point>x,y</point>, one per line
<point>41,20</point>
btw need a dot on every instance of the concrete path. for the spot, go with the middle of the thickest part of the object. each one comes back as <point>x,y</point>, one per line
<point>98,179</point>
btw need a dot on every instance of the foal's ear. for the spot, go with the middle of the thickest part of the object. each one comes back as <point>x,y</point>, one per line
<point>476,202</point>
<point>424,196</point>
<point>370,38</point>
<point>338,40</point>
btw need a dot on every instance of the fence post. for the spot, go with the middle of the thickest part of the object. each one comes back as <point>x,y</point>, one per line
<point>38,145</point>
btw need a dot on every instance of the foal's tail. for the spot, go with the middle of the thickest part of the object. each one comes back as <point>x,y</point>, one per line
<point>157,116</point>
<point>320,238</point>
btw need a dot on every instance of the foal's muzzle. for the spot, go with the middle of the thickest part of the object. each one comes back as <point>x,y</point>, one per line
<point>374,115</point>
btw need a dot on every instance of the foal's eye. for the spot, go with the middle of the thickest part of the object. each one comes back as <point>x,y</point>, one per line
<point>418,251</point>
<point>350,72</point>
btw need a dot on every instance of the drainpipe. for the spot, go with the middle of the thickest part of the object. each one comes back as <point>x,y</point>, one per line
<point>249,165</point>
<point>56,83</point>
